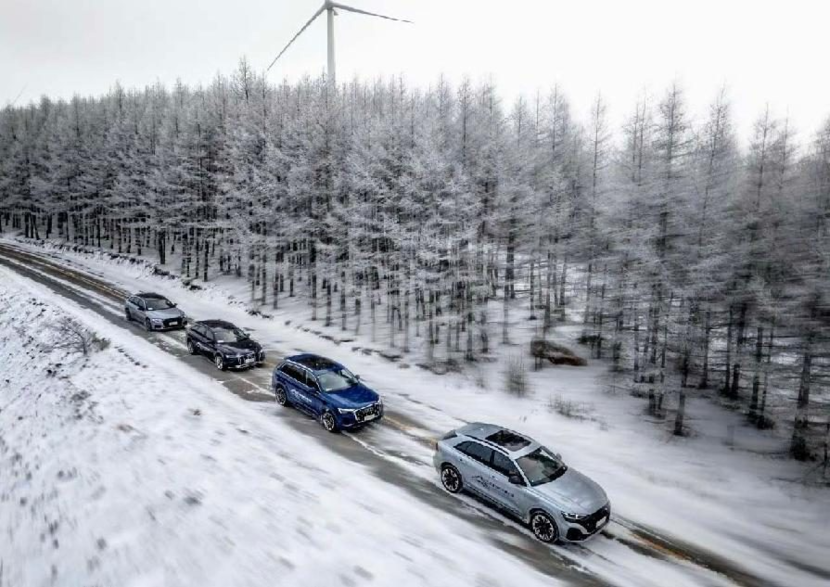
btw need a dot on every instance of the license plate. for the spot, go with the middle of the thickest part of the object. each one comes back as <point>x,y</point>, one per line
<point>249,360</point>
<point>601,521</point>
<point>174,323</point>
<point>370,417</point>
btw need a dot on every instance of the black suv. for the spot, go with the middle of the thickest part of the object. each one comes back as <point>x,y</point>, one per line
<point>228,346</point>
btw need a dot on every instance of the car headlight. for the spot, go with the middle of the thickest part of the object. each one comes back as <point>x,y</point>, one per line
<point>573,518</point>
<point>346,410</point>
<point>157,320</point>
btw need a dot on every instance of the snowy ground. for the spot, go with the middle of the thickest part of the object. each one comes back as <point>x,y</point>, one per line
<point>734,504</point>
<point>131,469</point>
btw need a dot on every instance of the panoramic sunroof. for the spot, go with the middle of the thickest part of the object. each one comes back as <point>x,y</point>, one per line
<point>509,440</point>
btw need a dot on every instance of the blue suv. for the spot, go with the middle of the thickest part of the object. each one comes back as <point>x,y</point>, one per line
<point>326,391</point>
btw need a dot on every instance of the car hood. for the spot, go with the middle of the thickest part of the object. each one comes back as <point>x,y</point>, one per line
<point>355,396</point>
<point>165,314</point>
<point>574,492</point>
<point>241,345</point>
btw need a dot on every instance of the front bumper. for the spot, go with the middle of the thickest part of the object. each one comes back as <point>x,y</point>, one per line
<point>360,417</point>
<point>168,324</point>
<point>245,361</point>
<point>588,527</point>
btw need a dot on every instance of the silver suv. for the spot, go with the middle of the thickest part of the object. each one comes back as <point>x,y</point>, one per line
<point>523,478</point>
<point>154,312</point>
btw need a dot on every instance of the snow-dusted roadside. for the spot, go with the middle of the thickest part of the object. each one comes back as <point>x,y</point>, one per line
<point>740,503</point>
<point>131,469</point>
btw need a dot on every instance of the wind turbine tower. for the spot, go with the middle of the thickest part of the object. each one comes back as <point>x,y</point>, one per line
<point>329,8</point>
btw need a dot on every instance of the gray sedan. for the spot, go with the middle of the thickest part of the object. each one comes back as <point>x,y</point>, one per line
<point>154,312</point>
<point>520,476</point>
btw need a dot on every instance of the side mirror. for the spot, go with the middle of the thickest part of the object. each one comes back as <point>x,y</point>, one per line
<point>174,305</point>
<point>357,377</point>
<point>516,479</point>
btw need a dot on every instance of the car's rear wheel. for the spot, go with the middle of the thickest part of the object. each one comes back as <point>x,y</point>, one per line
<point>282,398</point>
<point>543,527</point>
<point>219,362</point>
<point>451,479</point>
<point>191,348</point>
<point>328,422</point>
<point>127,315</point>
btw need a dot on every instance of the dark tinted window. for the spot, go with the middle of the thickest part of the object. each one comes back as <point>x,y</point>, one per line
<point>504,465</point>
<point>294,373</point>
<point>476,451</point>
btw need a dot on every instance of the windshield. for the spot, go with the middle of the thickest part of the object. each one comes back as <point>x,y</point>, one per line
<point>541,467</point>
<point>229,334</point>
<point>338,380</point>
<point>158,304</point>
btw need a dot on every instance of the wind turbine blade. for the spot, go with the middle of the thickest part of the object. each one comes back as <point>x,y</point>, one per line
<point>310,20</point>
<point>359,11</point>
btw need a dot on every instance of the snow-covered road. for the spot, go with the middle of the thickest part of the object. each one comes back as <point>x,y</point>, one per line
<point>457,541</point>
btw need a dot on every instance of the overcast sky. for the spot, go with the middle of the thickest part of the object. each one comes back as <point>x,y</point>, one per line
<point>764,51</point>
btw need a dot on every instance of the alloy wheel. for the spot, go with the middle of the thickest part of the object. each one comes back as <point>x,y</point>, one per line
<point>543,527</point>
<point>128,316</point>
<point>190,348</point>
<point>282,399</point>
<point>451,479</point>
<point>328,422</point>
<point>219,362</point>
<point>147,325</point>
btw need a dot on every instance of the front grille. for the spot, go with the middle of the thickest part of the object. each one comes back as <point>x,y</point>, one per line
<point>590,522</point>
<point>364,413</point>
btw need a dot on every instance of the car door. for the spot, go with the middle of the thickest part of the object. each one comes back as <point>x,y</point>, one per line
<point>295,388</point>
<point>316,402</point>
<point>209,340</point>
<point>475,459</point>
<point>508,495</point>
<point>140,309</point>
<point>197,335</point>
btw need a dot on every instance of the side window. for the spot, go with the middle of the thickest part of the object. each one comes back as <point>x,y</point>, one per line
<point>476,451</point>
<point>199,329</point>
<point>504,465</point>
<point>294,373</point>
<point>208,333</point>
<point>141,305</point>
<point>311,382</point>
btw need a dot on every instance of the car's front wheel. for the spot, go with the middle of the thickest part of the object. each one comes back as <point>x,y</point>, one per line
<point>451,479</point>
<point>282,398</point>
<point>191,348</point>
<point>543,527</point>
<point>127,315</point>
<point>219,361</point>
<point>147,325</point>
<point>328,422</point>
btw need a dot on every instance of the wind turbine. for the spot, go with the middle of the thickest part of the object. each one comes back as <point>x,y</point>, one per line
<point>329,6</point>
